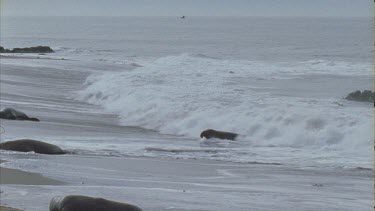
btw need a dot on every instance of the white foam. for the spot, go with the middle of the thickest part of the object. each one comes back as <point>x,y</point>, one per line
<point>186,94</point>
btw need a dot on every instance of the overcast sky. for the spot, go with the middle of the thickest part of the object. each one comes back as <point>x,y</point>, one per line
<point>187,7</point>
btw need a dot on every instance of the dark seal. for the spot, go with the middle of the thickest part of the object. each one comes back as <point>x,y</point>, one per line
<point>13,114</point>
<point>28,145</point>
<point>210,133</point>
<point>85,203</point>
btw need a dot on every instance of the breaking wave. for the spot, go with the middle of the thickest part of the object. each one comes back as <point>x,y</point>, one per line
<point>185,94</point>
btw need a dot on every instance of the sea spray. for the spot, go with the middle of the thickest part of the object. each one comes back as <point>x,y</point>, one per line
<point>188,93</point>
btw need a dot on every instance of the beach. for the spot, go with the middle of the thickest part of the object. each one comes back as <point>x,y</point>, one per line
<point>151,183</point>
<point>128,110</point>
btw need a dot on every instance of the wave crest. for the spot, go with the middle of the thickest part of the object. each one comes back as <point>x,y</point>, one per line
<point>187,94</point>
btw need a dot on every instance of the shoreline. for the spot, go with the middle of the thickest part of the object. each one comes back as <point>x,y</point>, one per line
<point>142,181</point>
<point>31,56</point>
<point>5,208</point>
<point>19,177</point>
<point>150,183</point>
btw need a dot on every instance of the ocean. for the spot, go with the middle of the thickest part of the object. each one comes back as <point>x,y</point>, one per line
<point>278,82</point>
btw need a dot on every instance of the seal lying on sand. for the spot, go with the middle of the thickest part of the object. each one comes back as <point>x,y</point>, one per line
<point>13,114</point>
<point>85,203</point>
<point>28,145</point>
<point>218,134</point>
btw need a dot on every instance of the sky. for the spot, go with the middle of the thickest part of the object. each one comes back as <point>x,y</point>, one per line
<point>324,8</point>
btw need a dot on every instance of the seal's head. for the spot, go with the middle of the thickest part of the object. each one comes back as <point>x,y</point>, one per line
<point>208,134</point>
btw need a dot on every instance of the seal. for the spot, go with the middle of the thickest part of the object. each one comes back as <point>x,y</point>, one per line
<point>86,203</point>
<point>13,114</point>
<point>210,133</point>
<point>28,145</point>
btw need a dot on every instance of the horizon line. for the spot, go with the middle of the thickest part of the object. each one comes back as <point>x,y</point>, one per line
<point>255,16</point>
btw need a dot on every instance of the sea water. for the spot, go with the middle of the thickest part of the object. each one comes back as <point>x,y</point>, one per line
<point>278,82</point>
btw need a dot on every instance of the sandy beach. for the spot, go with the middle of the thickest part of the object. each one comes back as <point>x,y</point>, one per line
<point>151,183</point>
<point>172,185</point>
<point>4,208</point>
<point>17,177</point>
<point>12,176</point>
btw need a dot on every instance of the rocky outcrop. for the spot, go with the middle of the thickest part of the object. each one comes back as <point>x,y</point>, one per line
<point>365,96</point>
<point>37,49</point>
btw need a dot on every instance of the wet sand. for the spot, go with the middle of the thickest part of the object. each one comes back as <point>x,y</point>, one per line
<point>5,208</point>
<point>13,176</point>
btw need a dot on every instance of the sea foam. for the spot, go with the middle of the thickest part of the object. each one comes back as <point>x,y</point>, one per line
<point>185,94</point>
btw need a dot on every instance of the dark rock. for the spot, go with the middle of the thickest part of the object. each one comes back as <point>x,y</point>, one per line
<point>365,96</point>
<point>28,145</point>
<point>13,114</point>
<point>85,203</point>
<point>210,133</point>
<point>37,49</point>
